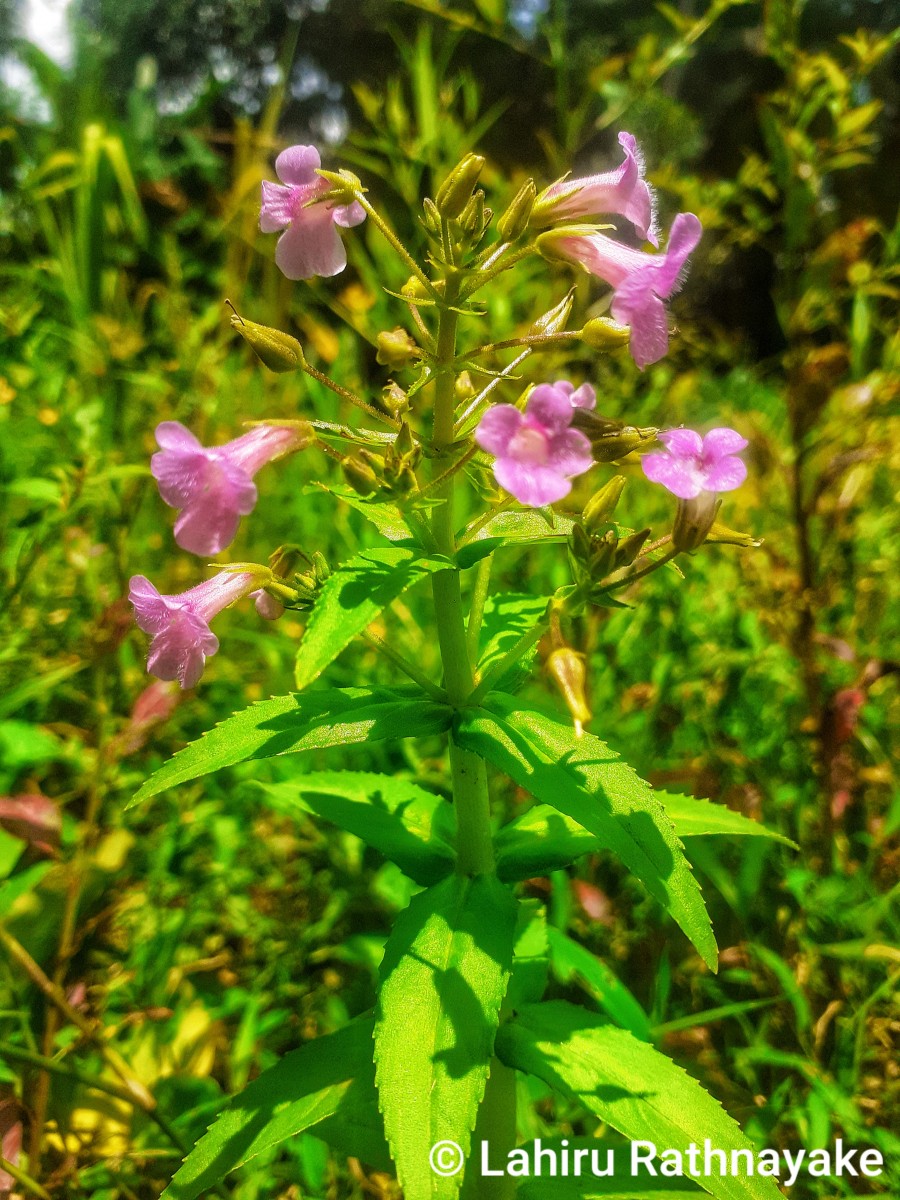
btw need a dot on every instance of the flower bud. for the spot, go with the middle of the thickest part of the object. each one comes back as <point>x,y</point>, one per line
<point>414,289</point>
<point>404,442</point>
<point>567,669</point>
<point>514,221</point>
<point>611,440</point>
<point>554,320</point>
<point>456,190</point>
<point>432,218</point>
<point>472,216</point>
<point>394,400</point>
<point>723,536</point>
<point>602,504</point>
<point>284,560</point>
<point>396,348</point>
<point>278,351</point>
<point>629,548</point>
<point>694,520</point>
<point>464,388</point>
<point>359,475</point>
<point>603,333</point>
<point>321,569</point>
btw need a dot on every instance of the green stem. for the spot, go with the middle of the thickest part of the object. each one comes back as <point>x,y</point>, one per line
<point>646,569</point>
<point>509,659</point>
<point>476,605</point>
<point>475,853</point>
<point>23,1179</point>
<point>402,663</point>
<point>389,236</point>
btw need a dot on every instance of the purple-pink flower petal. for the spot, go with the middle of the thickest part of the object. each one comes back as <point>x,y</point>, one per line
<point>298,165</point>
<point>179,624</point>
<point>550,407</point>
<point>682,442</point>
<point>536,453</point>
<point>497,428</point>
<point>310,244</point>
<point>719,442</point>
<point>692,465</point>
<point>213,486</point>
<point>531,484</point>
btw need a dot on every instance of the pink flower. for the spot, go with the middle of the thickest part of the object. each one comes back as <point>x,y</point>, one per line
<point>310,244</point>
<point>624,191</point>
<point>179,625</point>
<point>692,464</point>
<point>213,485</point>
<point>536,453</point>
<point>641,281</point>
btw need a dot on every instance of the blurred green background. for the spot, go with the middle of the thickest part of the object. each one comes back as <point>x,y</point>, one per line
<point>204,935</point>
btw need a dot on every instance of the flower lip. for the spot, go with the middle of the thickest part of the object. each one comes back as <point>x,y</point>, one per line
<point>692,465</point>
<point>537,453</point>
<point>309,244</point>
<point>212,486</point>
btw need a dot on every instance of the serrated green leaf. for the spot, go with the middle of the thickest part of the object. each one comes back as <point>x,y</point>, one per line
<point>444,975</point>
<point>544,840</point>
<point>507,617</point>
<point>703,818</point>
<point>331,1080</point>
<point>411,827</point>
<point>385,516</point>
<point>570,960</point>
<point>587,781</point>
<point>627,1083</point>
<point>311,721</point>
<point>352,598</point>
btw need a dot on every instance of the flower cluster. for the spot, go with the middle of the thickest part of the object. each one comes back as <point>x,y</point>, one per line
<point>552,436</point>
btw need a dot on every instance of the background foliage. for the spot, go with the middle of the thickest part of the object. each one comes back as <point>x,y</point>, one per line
<point>194,940</point>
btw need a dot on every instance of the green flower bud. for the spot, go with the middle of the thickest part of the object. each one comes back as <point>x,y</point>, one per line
<point>724,536</point>
<point>602,504</point>
<point>611,440</point>
<point>464,388</point>
<point>603,333</point>
<point>514,221</point>
<point>394,400</point>
<point>359,475</point>
<point>278,351</point>
<point>694,520</point>
<point>456,190</point>
<point>414,289</point>
<point>629,548</point>
<point>396,348</point>
<point>567,669</point>
<point>555,320</point>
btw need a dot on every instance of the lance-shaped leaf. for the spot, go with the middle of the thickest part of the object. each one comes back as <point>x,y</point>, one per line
<point>571,960</point>
<point>311,721</point>
<point>352,598</point>
<point>385,516</point>
<point>444,975</point>
<point>507,617</point>
<point>620,1184</point>
<point>628,1084</point>
<point>411,827</point>
<point>328,1084</point>
<point>544,840</point>
<point>587,781</point>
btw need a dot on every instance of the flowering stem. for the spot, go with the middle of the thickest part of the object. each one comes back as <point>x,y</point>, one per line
<point>400,661</point>
<point>482,396</point>
<point>535,341</point>
<point>476,605</point>
<point>475,853</point>
<point>388,234</point>
<point>346,394</point>
<point>476,527</point>
<point>509,659</point>
<point>648,569</point>
<point>502,264</point>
